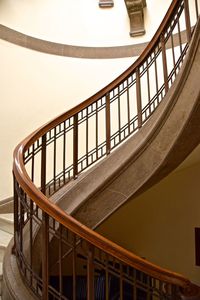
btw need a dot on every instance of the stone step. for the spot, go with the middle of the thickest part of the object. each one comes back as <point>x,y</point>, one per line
<point>5,238</point>
<point>6,222</point>
<point>6,234</point>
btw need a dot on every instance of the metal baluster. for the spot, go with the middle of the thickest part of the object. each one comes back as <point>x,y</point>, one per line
<point>54,159</point>
<point>149,296</point>
<point>107,278</point>
<point>128,108</point>
<point>164,60</point>
<point>60,260</point>
<point>75,146</point>
<point>148,88</point>
<point>179,37</point>
<point>31,240</point>
<point>139,100</point>
<point>21,209</point>
<point>119,113</point>
<point>74,266</point>
<point>134,285</point>
<point>197,9</point>
<point>187,20</point>
<point>90,273</point>
<point>32,163</point>
<point>86,136</point>
<point>173,54</point>
<point>121,282</point>
<point>160,289</point>
<point>156,75</point>
<point>43,165</point>
<point>15,202</point>
<point>108,146</point>
<point>96,132</point>
<point>64,151</point>
<point>45,255</point>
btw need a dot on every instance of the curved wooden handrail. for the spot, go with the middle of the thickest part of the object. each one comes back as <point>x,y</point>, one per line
<point>88,234</point>
<point>68,221</point>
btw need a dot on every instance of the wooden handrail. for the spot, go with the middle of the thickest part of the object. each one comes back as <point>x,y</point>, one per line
<point>88,234</point>
<point>68,221</point>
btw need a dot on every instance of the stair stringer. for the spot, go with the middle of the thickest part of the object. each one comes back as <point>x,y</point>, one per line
<point>153,152</point>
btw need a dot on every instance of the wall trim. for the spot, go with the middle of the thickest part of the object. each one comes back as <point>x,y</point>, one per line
<point>23,40</point>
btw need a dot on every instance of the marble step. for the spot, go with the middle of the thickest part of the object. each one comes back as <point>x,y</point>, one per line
<point>6,222</point>
<point>5,238</point>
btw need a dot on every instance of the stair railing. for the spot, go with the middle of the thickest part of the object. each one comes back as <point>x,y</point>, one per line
<point>60,150</point>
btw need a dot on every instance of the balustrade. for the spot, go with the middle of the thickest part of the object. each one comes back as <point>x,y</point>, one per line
<point>85,265</point>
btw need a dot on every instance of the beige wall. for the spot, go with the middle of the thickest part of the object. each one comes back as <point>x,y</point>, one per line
<point>159,224</point>
<point>79,22</point>
<point>36,87</point>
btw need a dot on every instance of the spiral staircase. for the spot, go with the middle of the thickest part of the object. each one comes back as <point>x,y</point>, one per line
<point>112,146</point>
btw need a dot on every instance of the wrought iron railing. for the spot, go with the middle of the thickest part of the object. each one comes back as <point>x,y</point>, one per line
<point>75,262</point>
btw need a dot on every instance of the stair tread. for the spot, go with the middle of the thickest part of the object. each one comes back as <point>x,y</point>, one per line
<point>7,217</point>
<point>5,238</point>
<point>6,222</point>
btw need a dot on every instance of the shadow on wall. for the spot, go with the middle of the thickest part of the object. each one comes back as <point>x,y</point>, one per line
<point>159,224</point>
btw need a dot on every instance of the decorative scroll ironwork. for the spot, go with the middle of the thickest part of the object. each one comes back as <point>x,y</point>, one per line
<point>75,262</point>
